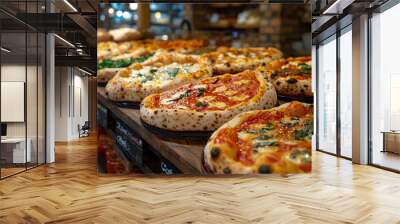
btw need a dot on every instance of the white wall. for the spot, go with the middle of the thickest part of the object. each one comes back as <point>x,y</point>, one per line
<point>71,94</point>
<point>33,127</point>
<point>12,73</point>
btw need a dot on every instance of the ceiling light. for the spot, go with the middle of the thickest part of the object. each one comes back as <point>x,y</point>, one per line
<point>133,6</point>
<point>119,13</point>
<point>65,41</point>
<point>337,7</point>
<point>5,49</point>
<point>331,7</point>
<point>110,11</point>
<point>158,15</point>
<point>126,15</point>
<point>70,5</point>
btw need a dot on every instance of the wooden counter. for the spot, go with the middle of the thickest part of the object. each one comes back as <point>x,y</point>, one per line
<point>184,154</point>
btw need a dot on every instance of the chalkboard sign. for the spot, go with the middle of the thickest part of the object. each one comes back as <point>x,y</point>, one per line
<point>132,151</point>
<point>102,116</point>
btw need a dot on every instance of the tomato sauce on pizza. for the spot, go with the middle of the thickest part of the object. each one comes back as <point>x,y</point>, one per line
<point>217,93</point>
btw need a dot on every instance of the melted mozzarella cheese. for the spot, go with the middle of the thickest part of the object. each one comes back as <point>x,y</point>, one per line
<point>172,98</point>
<point>230,92</point>
<point>220,105</point>
<point>157,75</point>
<point>220,89</point>
<point>182,107</point>
<point>239,98</point>
<point>241,82</point>
<point>244,135</point>
<point>200,86</point>
<point>207,99</point>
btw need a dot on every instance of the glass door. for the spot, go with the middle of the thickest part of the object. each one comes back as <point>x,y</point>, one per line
<point>15,149</point>
<point>326,96</point>
<point>22,78</point>
<point>385,89</point>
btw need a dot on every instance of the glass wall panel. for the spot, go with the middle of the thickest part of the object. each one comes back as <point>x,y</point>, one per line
<point>15,149</point>
<point>22,89</point>
<point>327,96</point>
<point>346,93</point>
<point>385,89</point>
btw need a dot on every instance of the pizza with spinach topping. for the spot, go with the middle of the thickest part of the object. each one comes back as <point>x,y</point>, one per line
<point>156,75</point>
<point>276,140</point>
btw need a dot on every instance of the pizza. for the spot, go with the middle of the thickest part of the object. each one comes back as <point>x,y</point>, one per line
<point>103,36</point>
<point>276,140</point>
<point>142,79</point>
<point>125,34</point>
<point>291,76</point>
<point>207,104</point>
<point>112,57</point>
<point>106,49</point>
<point>232,60</point>
<point>107,68</point>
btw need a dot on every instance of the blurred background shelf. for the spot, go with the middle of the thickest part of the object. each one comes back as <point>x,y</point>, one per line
<point>228,24</point>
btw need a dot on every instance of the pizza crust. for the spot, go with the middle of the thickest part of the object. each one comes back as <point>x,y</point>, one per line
<point>104,75</point>
<point>125,34</point>
<point>191,120</point>
<point>103,35</point>
<point>291,84</point>
<point>302,87</point>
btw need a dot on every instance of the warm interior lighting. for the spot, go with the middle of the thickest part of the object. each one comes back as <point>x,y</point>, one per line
<point>70,5</point>
<point>65,41</point>
<point>158,15</point>
<point>133,6</point>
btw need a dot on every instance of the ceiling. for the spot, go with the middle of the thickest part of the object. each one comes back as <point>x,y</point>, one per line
<point>73,20</point>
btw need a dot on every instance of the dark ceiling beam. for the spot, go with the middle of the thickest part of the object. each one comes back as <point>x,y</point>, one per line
<point>49,22</point>
<point>86,26</point>
<point>92,6</point>
<point>78,61</point>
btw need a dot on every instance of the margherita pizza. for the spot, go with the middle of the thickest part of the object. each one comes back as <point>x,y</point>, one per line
<point>277,140</point>
<point>140,80</point>
<point>291,76</point>
<point>208,103</point>
<point>232,60</point>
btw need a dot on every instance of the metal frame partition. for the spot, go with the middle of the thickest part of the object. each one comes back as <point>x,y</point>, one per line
<point>337,33</point>
<point>380,9</point>
<point>36,63</point>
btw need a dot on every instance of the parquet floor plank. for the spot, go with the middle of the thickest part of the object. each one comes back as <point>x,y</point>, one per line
<point>70,191</point>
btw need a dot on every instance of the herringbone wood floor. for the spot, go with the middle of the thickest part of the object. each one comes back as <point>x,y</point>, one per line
<point>70,191</point>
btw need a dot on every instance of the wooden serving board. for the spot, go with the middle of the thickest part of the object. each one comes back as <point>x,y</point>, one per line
<point>185,154</point>
<point>177,136</point>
